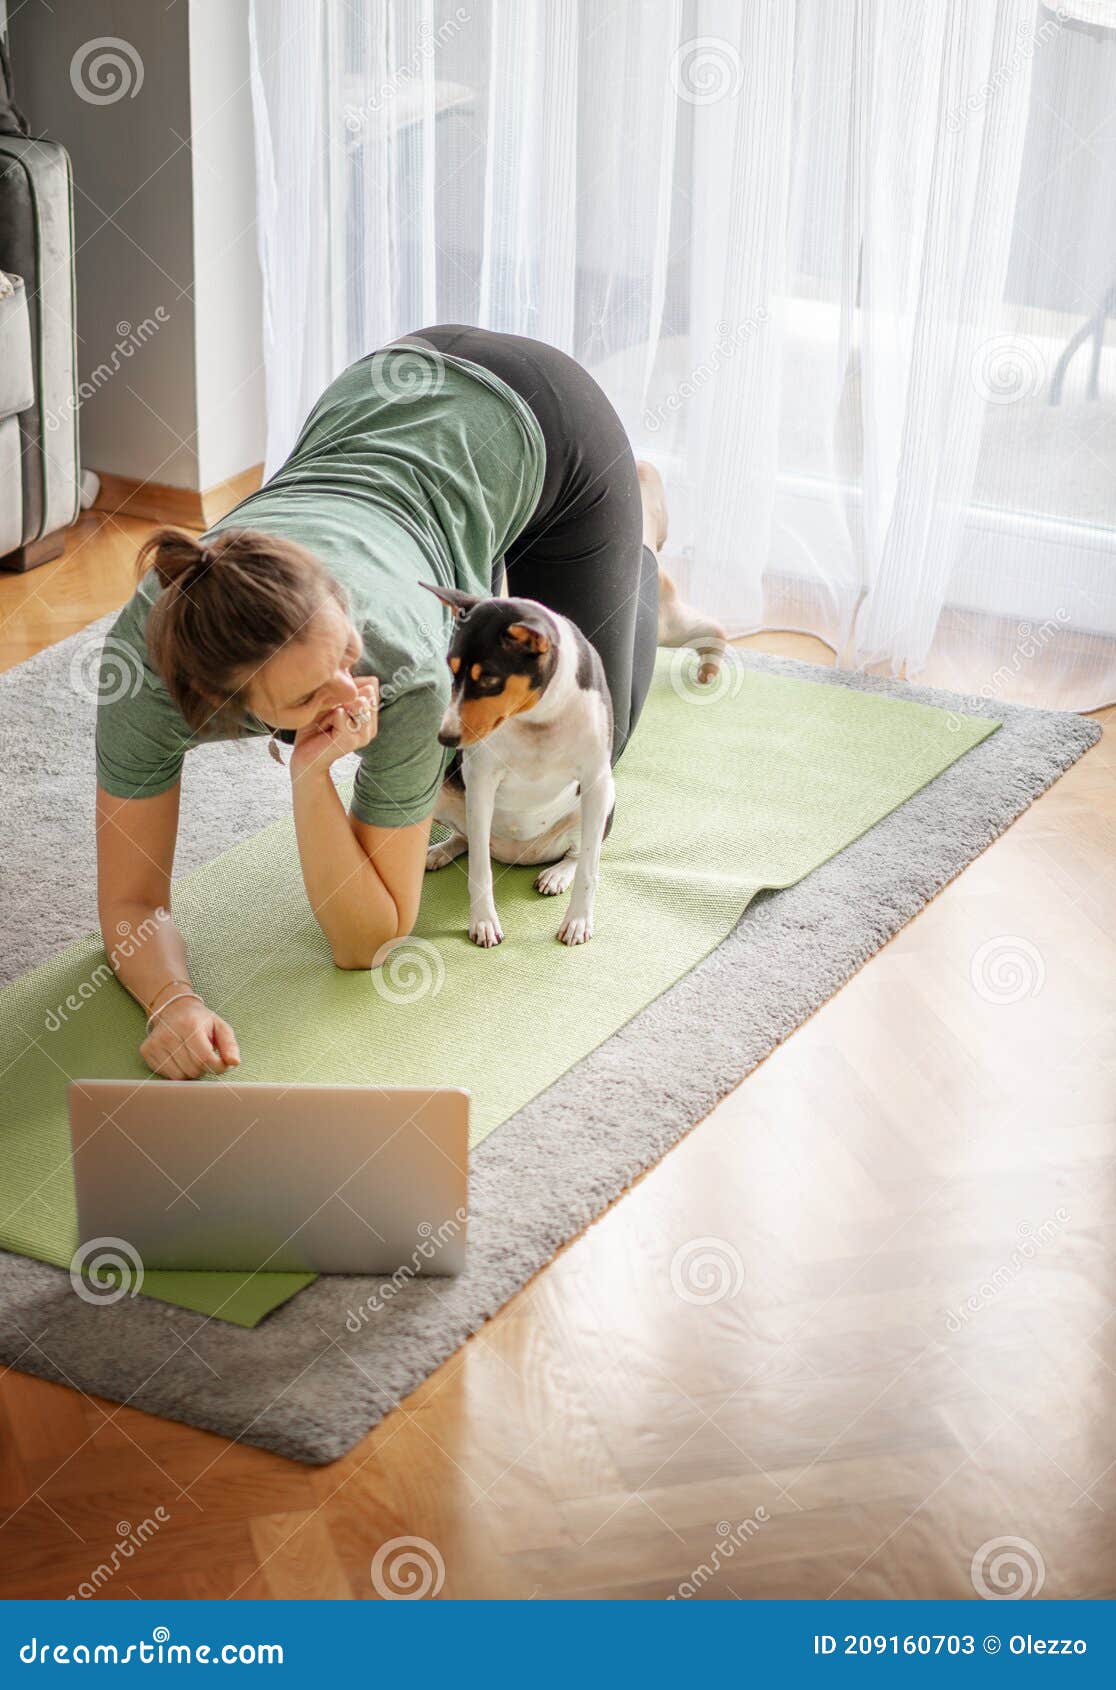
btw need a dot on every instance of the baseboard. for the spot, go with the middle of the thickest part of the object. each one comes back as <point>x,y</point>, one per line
<point>185,507</point>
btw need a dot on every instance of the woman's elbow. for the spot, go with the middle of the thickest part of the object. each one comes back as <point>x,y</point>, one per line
<point>368,954</point>
<point>349,960</point>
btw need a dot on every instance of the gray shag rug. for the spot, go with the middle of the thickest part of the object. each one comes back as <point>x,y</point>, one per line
<point>324,1368</point>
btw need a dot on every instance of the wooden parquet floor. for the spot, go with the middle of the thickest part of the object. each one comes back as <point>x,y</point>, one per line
<point>916,1198</point>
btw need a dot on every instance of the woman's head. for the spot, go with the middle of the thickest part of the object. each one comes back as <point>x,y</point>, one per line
<point>248,622</point>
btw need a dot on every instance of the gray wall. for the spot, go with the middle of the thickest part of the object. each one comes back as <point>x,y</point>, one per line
<point>228,292</point>
<point>167,279</point>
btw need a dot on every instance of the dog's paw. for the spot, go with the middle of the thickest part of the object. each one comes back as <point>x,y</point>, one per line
<point>437,856</point>
<point>555,878</point>
<point>486,930</point>
<point>575,929</point>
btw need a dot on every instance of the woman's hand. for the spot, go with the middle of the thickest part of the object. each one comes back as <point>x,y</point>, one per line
<point>188,1040</point>
<point>347,728</point>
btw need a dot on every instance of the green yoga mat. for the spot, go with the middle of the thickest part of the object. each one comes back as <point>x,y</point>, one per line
<point>723,791</point>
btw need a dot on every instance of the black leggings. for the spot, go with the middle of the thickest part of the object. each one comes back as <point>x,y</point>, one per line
<point>582,552</point>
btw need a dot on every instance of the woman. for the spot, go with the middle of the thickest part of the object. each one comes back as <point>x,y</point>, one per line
<point>441,458</point>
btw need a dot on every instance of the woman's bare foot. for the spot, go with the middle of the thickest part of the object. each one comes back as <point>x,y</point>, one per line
<point>653,494</point>
<point>679,623</point>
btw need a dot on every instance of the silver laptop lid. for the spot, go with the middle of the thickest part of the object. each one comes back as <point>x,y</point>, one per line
<point>220,1175</point>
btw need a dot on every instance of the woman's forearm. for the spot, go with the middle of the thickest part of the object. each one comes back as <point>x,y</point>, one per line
<point>354,908</point>
<point>144,948</point>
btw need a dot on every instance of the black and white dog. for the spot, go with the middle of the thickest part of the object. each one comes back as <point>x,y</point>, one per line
<point>530,718</point>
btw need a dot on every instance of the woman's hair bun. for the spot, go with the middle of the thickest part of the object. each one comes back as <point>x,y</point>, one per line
<point>175,555</point>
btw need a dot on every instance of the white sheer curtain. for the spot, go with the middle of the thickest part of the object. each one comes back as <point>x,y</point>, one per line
<point>844,267</point>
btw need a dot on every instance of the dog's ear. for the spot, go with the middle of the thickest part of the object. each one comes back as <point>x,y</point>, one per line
<point>458,601</point>
<point>528,636</point>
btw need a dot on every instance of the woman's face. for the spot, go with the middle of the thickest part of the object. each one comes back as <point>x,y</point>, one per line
<point>309,677</point>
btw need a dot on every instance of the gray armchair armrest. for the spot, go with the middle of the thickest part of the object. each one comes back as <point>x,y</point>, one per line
<point>17,382</point>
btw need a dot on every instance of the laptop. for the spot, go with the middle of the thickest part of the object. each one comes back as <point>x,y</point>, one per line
<point>219,1175</point>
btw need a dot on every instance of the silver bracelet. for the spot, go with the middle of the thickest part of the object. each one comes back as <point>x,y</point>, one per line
<point>173,999</point>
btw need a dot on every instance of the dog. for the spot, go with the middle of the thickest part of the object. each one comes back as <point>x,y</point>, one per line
<point>530,781</point>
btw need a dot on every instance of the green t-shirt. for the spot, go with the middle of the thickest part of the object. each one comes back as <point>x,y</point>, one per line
<point>413,466</point>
